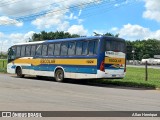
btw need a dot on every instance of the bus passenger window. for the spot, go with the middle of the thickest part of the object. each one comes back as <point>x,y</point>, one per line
<point>44,50</point>
<point>33,50</point>
<point>108,45</point>
<point>28,51</point>
<point>18,51</point>
<point>85,48</point>
<point>79,48</point>
<point>50,49</point>
<point>71,48</point>
<point>64,48</point>
<point>57,49</point>
<point>39,50</point>
<point>91,47</point>
<point>95,47</point>
<point>23,51</point>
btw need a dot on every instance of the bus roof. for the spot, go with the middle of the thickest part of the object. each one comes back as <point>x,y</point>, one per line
<point>70,39</point>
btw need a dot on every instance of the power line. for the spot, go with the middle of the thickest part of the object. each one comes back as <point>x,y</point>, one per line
<point>10,2</point>
<point>28,18</point>
<point>53,11</point>
<point>108,9</point>
<point>30,10</point>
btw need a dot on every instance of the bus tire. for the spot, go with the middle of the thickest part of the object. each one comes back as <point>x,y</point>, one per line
<point>59,75</point>
<point>38,77</point>
<point>19,72</point>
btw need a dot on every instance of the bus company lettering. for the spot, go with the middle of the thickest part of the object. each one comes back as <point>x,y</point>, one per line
<point>47,61</point>
<point>114,60</point>
<point>90,61</point>
<point>111,53</point>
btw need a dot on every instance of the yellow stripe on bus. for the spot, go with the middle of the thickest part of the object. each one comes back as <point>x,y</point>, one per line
<point>57,61</point>
<point>111,60</point>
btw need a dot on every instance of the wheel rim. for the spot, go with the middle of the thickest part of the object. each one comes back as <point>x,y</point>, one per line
<point>59,75</point>
<point>19,72</point>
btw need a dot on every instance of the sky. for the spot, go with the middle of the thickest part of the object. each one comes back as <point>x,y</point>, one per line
<point>131,19</point>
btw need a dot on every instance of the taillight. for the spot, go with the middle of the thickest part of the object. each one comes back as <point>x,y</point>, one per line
<point>125,66</point>
<point>102,66</point>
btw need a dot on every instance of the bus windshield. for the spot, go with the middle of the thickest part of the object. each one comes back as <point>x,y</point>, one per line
<point>11,54</point>
<point>116,46</point>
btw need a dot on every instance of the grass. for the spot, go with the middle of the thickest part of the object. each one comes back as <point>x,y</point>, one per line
<point>135,77</point>
<point>3,65</point>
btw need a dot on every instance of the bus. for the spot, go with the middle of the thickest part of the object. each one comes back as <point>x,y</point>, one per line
<point>75,58</point>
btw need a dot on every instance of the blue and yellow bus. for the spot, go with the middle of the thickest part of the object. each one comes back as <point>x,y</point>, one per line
<point>76,58</point>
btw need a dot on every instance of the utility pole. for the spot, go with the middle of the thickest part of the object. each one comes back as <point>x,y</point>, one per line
<point>133,51</point>
<point>1,48</point>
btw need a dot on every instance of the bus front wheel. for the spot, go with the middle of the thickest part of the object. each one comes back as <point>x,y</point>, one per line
<point>59,75</point>
<point>19,72</point>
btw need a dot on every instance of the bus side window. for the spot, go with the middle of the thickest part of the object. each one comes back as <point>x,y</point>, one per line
<point>95,47</point>
<point>28,51</point>
<point>85,48</point>
<point>44,50</point>
<point>91,47</point>
<point>57,48</point>
<point>71,48</point>
<point>50,49</point>
<point>64,48</point>
<point>79,48</point>
<point>23,48</point>
<point>18,51</point>
<point>108,45</point>
<point>33,50</point>
<point>39,50</point>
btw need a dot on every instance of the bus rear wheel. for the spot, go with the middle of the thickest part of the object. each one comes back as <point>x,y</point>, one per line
<point>19,72</point>
<point>59,75</point>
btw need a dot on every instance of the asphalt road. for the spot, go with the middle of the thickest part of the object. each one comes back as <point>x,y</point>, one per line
<point>32,94</point>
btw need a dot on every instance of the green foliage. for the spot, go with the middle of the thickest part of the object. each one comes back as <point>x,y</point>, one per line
<point>146,56</point>
<point>52,35</point>
<point>3,65</point>
<point>107,34</point>
<point>143,49</point>
<point>3,56</point>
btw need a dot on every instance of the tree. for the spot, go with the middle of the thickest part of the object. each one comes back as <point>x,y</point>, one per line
<point>52,35</point>
<point>106,34</point>
<point>143,48</point>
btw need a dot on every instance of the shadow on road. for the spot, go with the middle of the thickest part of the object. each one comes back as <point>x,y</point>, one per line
<point>97,83</point>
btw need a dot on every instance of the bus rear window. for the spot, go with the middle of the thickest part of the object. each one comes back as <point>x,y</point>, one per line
<point>116,46</point>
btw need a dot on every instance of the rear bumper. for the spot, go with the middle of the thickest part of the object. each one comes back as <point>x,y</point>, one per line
<point>101,74</point>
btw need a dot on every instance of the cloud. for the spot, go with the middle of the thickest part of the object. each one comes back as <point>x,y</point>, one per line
<point>52,19</point>
<point>136,32</point>
<point>48,9</point>
<point>11,39</point>
<point>152,10</point>
<point>80,11</point>
<point>63,26</point>
<point>8,21</point>
<point>78,29</point>
<point>19,8</point>
<point>1,35</point>
<point>62,14</point>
